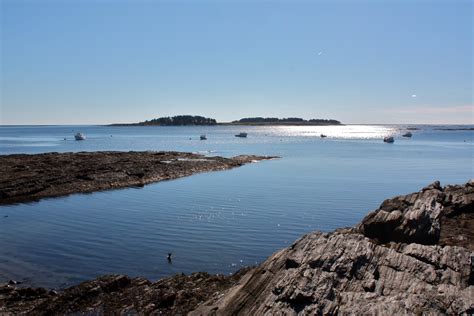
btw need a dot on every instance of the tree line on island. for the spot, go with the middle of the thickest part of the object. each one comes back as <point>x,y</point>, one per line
<point>180,120</point>
<point>297,120</point>
<point>183,120</point>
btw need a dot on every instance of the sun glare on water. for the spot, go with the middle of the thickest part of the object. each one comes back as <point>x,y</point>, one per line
<point>343,132</point>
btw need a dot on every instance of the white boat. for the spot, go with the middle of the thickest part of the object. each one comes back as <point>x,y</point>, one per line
<point>407,134</point>
<point>388,139</point>
<point>241,135</point>
<point>203,137</point>
<point>80,136</point>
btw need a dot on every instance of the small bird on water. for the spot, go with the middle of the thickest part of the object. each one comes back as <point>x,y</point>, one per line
<point>169,257</point>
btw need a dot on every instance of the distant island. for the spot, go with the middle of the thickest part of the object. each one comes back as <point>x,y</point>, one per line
<point>455,129</point>
<point>283,121</point>
<point>179,120</point>
<point>185,120</point>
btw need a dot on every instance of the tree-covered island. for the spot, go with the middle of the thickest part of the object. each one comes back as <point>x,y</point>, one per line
<point>179,120</point>
<point>185,120</point>
<point>284,121</point>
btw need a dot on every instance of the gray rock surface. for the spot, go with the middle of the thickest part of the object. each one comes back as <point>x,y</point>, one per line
<point>398,260</point>
<point>418,217</point>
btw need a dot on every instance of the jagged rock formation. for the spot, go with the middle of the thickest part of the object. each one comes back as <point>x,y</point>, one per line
<point>408,257</point>
<point>418,217</point>
<point>413,255</point>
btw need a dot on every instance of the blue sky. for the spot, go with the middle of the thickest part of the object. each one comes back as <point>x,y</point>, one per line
<point>103,61</point>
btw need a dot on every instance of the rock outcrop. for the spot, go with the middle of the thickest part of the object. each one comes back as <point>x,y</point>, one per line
<point>410,256</point>
<point>413,255</point>
<point>117,295</point>
<point>25,178</point>
<point>418,217</point>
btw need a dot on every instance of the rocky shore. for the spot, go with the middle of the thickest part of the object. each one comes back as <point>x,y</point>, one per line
<point>410,256</point>
<point>413,255</point>
<point>25,178</point>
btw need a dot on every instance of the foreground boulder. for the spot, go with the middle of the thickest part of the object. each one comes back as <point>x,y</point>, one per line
<point>412,255</point>
<point>418,217</point>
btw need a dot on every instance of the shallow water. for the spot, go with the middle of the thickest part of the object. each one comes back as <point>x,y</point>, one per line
<point>219,221</point>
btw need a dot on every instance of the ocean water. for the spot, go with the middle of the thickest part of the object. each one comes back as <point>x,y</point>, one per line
<point>219,221</point>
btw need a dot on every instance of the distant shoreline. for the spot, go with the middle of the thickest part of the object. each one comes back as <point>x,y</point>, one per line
<point>454,129</point>
<point>277,124</point>
<point>410,126</point>
<point>196,120</point>
<point>235,124</point>
<point>407,125</point>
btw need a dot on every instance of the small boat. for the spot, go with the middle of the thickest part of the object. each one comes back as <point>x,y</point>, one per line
<point>388,139</point>
<point>407,134</point>
<point>323,136</point>
<point>241,135</point>
<point>203,137</point>
<point>80,136</point>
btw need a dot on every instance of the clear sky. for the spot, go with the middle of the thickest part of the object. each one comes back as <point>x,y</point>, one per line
<point>104,61</point>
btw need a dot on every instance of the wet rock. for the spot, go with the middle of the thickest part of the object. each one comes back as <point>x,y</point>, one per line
<point>116,283</point>
<point>6,288</point>
<point>32,177</point>
<point>29,292</point>
<point>119,294</point>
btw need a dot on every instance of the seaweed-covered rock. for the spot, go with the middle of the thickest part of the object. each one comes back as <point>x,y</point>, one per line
<point>25,178</point>
<point>118,294</point>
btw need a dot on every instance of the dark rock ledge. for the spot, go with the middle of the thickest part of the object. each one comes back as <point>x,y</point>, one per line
<point>413,255</point>
<point>25,178</point>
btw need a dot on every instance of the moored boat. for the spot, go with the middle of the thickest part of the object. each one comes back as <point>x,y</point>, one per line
<point>80,136</point>
<point>388,139</point>
<point>407,134</point>
<point>241,135</point>
<point>203,137</point>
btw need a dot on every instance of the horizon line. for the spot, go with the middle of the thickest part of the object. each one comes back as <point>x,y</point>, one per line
<point>342,124</point>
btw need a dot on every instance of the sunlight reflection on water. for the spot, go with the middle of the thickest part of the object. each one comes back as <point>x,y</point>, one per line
<point>343,132</point>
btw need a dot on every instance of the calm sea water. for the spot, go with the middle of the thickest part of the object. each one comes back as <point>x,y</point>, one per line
<point>219,221</point>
